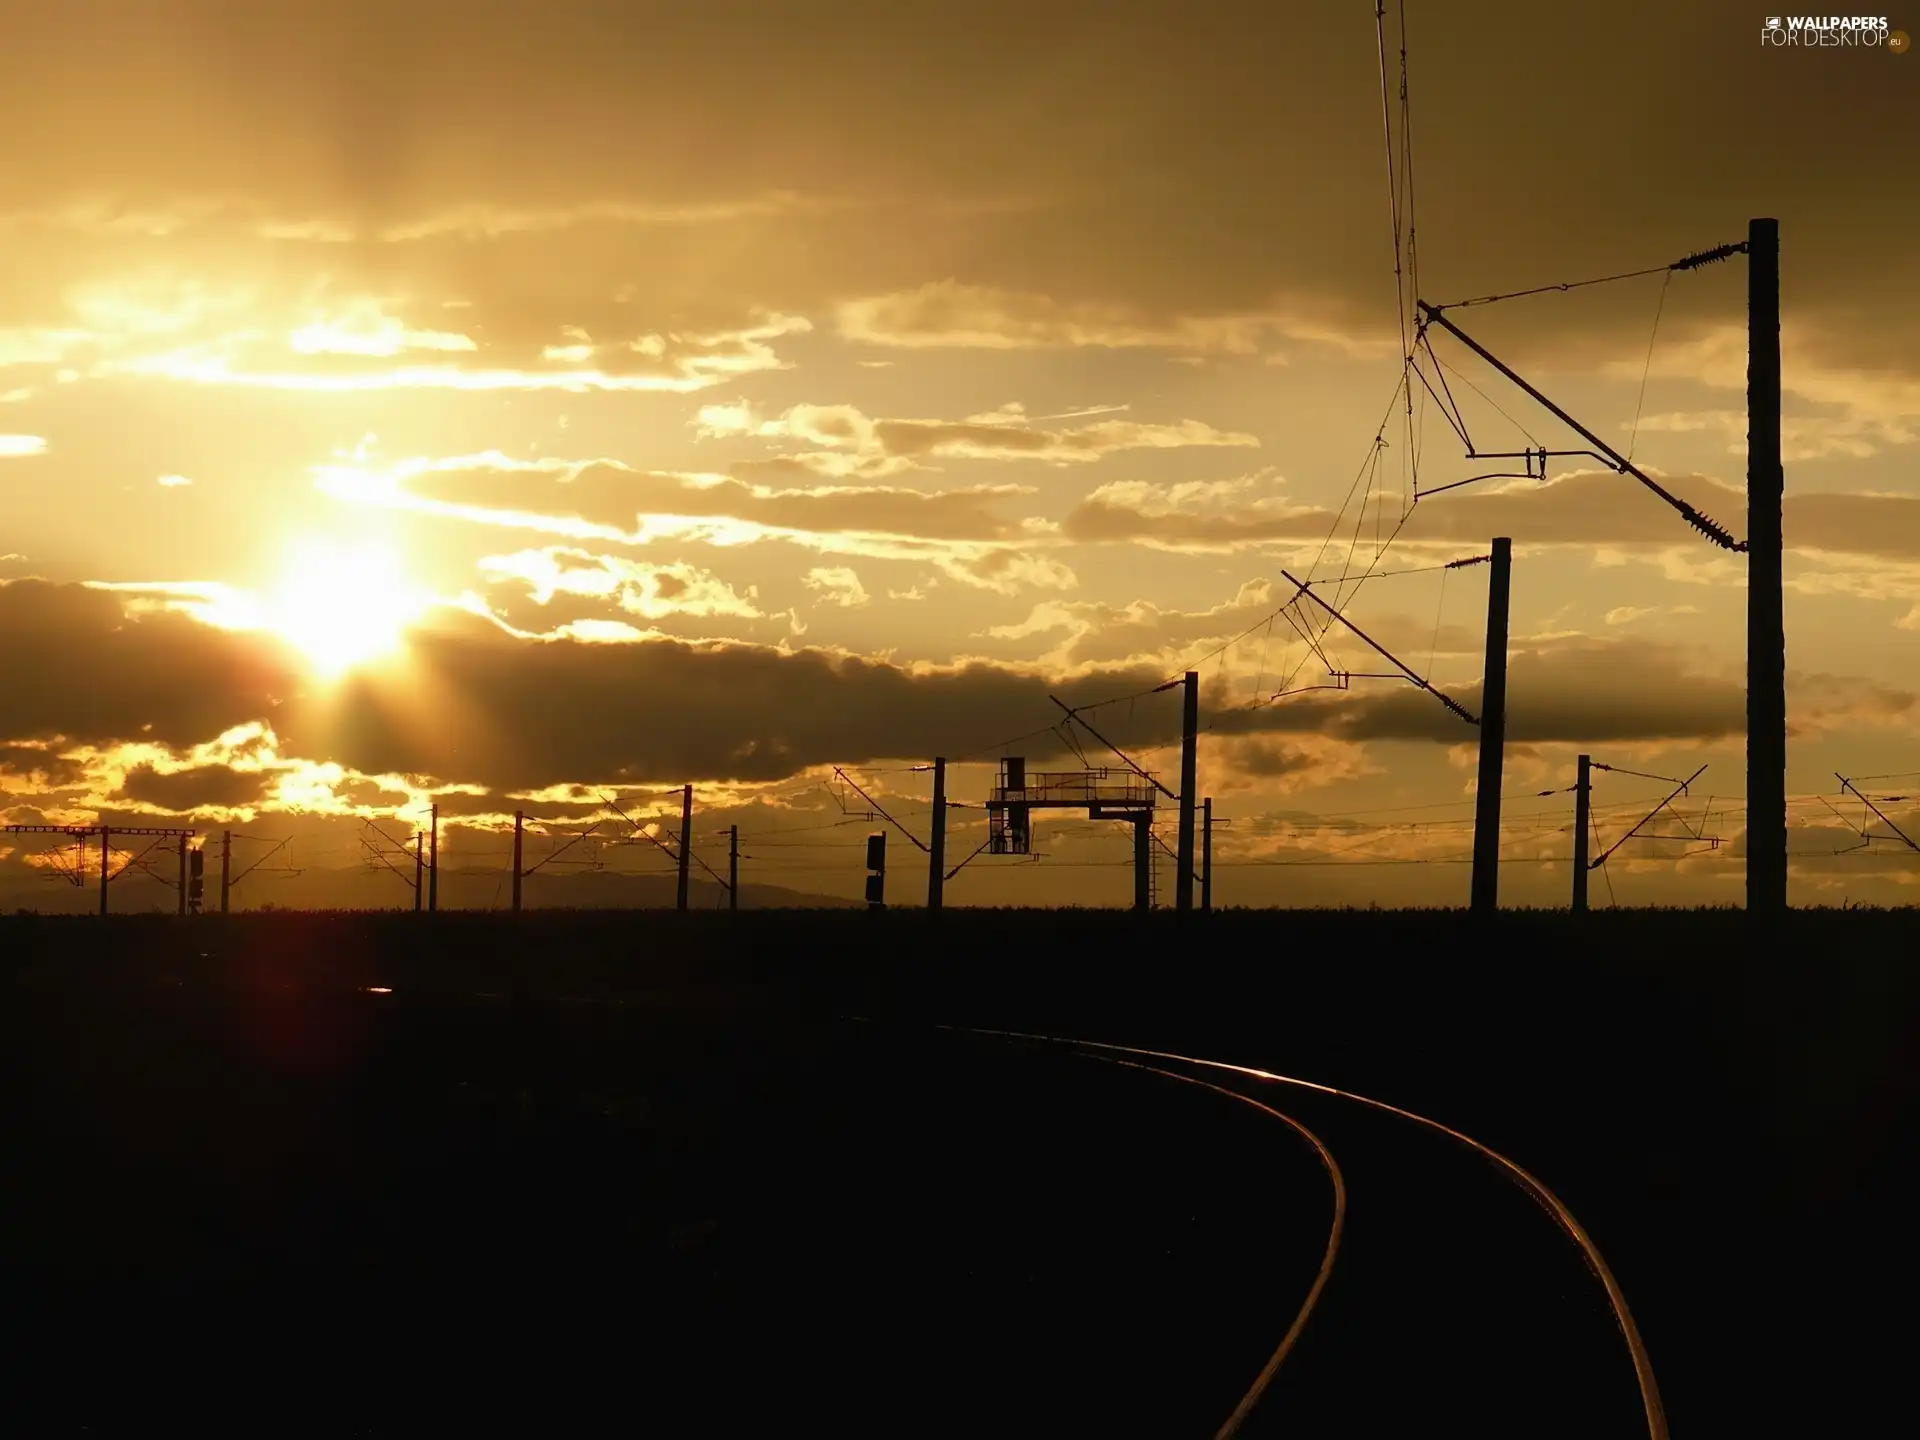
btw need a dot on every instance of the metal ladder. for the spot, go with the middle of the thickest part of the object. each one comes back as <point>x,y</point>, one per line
<point>1153,872</point>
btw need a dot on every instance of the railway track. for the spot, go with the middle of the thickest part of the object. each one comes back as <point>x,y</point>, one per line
<point>1236,1421</point>
<point>1466,1294</point>
<point>893,1230</point>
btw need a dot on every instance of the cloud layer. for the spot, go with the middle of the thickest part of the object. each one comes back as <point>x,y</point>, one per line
<point>478,705</point>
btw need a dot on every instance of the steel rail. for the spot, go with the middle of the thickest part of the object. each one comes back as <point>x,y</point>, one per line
<point>1636,1349</point>
<point>1231,1426</point>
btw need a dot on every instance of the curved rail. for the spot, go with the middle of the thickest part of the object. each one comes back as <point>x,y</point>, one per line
<point>1642,1365</point>
<point>1231,1426</point>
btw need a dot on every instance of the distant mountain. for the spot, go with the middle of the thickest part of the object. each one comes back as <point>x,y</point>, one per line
<point>359,889</point>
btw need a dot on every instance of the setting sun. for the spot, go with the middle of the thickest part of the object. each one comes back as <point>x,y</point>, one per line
<point>344,605</point>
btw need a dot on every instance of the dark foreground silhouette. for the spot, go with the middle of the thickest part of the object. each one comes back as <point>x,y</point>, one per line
<point>643,1168</point>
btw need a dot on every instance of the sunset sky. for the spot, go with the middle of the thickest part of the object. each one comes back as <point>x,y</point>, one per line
<point>518,402</point>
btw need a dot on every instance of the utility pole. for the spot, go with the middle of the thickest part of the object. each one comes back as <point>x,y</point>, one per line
<point>419,873</point>
<point>226,868</point>
<point>1142,861</point>
<point>686,844</point>
<point>182,897</point>
<point>1189,781</point>
<point>519,829</point>
<point>1582,824</point>
<point>104,832</point>
<point>433,864</point>
<point>1766,611</point>
<point>937,850</point>
<point>1493,735</point>
<point>733,867</point>
<point>1206,856</point>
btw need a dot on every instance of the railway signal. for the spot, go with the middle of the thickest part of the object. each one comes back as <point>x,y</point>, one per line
<point>877,867</point>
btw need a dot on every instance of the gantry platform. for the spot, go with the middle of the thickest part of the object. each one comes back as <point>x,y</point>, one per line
<point>1105,794</point>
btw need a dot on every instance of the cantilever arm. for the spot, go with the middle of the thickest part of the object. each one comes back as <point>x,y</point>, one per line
<point>261,861</point>
<point>373,852</point>
<point>1847,784</point>
<point>554,855</point>
<point>1074,715</point>
<point>138,862</point>
<point>917,841</point>
<point>1678,791</point>
<point>1714,531</point>
<point>969,860</point>
<point>640,831</point>
<point>1445,699</point>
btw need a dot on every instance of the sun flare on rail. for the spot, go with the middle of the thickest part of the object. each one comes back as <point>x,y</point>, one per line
<point>344,605</point>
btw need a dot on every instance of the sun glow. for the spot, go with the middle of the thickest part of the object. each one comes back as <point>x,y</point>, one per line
<point>344,605</point>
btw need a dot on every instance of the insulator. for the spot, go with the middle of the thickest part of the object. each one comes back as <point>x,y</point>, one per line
<point>1710,257</point>
<point>1715,532</point>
